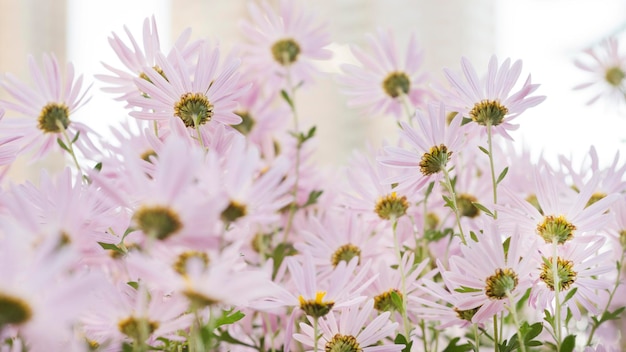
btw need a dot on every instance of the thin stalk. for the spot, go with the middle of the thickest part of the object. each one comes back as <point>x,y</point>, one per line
<point>476,335</point>
<point>396,243</point>
<point>70,148</point>
<point>422,325</point>
<point>155,125</point>
<point>557,300</point>
<point>408,107</point>
<point>608,303</point>
<point>316,334</point>
<point>493,171</point>
<point>496,339</point>
<point>457,214</point>
<point>296,123</point>
<point>513,312</point>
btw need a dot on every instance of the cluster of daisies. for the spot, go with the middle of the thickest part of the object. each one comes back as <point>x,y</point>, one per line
<point>202,224</point>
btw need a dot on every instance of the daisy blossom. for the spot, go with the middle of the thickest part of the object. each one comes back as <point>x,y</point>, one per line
<point>367,195</point>
<point>607,69</point>
<point>317,295</point>
<point>384,79</point>
<point>197,92</point>
<point>354,331</point>
<point>47,107</point>
<point>563,212</point>
<point>489,101</point>
<point>433,142</point>
<point>487,279</point>
<point>579,263</point>
<point>136,58</point>
<point>284,43</point>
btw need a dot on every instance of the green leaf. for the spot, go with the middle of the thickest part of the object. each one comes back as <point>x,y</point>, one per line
<point>133,284</point>
<point>482,149</point>
<point>313,196</point>
<point>502,175</point>
<point>396,300</point>
<point>228,318</point>
<point>311,132</point>
<point>570,294</point>
<point>483,208</point>
<point>473,236</point>
<point>279,254</point>
<point>127,347</point>
<point>465,289</point>
<point>75,137</point>
<point>448,201</point>
<point>453,347</point>
<point>98,166</point>
<point>465,121</point>
<point>62,145</point>
<point>568,344</point>
<point>287,98</point>
<point>401,340</point>
<point>111,247</point>
<point>506,244</point>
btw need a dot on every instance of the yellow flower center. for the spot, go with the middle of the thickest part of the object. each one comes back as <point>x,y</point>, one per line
<point>501,283</point>
<point>286,51</point>
<point>565,274</point>
<point>556,229</point>
<point>316,307</point>
<point>342,343</point>
<point>391,206</point>
<point>465,203</point>
<point>180,266</point>
<point>139,329</point>
<point>247,122</point>
<point>384,301</point>
<point>396,84</point>
<point>488,112</point>
<point>13,310</point>
<point>435,160</point>
<point>614,76</point>
<point>345,253</point>
<point>54,118</point>
<point>234,211</point>
<point>194,109</point>
<point>157,221</point>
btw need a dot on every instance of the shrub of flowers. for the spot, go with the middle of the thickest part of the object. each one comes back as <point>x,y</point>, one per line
<point>202,223</point>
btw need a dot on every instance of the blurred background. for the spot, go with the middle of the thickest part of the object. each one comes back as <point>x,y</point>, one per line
<point>547,35</point>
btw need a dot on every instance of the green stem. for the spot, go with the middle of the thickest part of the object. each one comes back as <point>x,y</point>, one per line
<point>396,243</point>
<point>422,325</point>
<point>557,300</point>
<point>70,149</point>
<point>316,334</point>
<point>595,326</point>
<point>493,171</point>
<point>476,335</point>
<point>457,214</point>
<point>155,125</point>
<point>408,107</point>
<point>496,339</point>
<point>294,205</point>
<point>513,311</point>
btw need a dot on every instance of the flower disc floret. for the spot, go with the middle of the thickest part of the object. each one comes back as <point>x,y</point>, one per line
<point>556,228</point>
<point>137,328</point>
<point>54,118</point>
<point>384,302</point>
<point>566,274</point>
<point>614,76</point>
<point>342,343</point>
<point>316,307</point>
<point>501,283</point>
<point>234,211</point>
<point>180,266</point>
<point>488,112</point>
<point>194,109</point>
<point>391,206</point>
<point>286,51</point>
<point>396,84</point>
<point>465,203</point>
<point>466,314</point>
<point>435,160</point>
<point>13,310</point>
<point>157,221</point>
<point>345,253</point>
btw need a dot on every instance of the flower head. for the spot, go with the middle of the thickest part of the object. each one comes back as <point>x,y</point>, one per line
<point>284,42</point>
<point>383,79</point>
<point>434,143</point>
<point>490,101</point>
<point>607,67</point>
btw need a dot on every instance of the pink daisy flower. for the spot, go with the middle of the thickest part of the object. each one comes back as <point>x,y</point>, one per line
<point>196,93</point>
<point>136,58</point>
<point>384,78</point>
<point>490,101</point>
<point>607,68</point>
<point>562,213</point>
<point>353,331</point>
<point>485,278</point>
<point>284,43</point>
<point>579,263</point>
<point>47,107</point>
<point>433,143</point>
